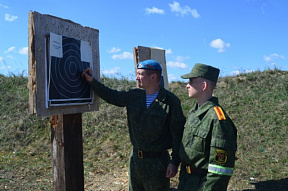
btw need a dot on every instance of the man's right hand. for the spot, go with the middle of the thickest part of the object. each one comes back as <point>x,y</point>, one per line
<point>87,74</point>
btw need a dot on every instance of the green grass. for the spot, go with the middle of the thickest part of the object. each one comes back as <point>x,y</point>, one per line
<point>257,103</point>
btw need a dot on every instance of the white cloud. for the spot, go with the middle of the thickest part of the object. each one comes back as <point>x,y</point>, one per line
<point>272,57</point>
<point>177,64</point>
<point>124,55</point>
<point>249,71</point>
<point>220,45</point>
<point>237,72</point>
<point>175,7</point>
<point>4,6</point>
<point>263,8</point>
<point>114,50</point>
<point>5,67</point>
<point>171,77</point>
<point>10,49</point>
<point>267,58</point>
<point>9,17</point>
<point>154,10</point>
<point>111,71</point>
<point>181,58</point>
<point>23,50</point>
<point>169,51</point>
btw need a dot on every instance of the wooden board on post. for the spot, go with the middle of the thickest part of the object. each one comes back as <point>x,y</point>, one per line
<point>66,120</point>
<point>145,53</point>
<point>39,27</point>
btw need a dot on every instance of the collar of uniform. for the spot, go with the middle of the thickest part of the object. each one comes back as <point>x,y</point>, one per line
<point>162,94</point>
<point>206,106</point>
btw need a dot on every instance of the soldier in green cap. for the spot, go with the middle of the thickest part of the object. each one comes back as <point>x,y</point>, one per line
<point>155,122</point>
<point>209,142</point>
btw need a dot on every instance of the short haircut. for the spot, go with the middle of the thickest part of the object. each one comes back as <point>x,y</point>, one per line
<point>211,84</point>
<point>157,72</point>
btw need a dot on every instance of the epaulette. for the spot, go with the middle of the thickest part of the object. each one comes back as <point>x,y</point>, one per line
<point>220,113</point>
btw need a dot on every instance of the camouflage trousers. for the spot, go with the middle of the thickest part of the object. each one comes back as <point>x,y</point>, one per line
<point>190,182</point>
<point>148,174</point>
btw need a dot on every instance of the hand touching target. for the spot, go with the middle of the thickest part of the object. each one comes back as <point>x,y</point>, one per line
<point>65,84</point>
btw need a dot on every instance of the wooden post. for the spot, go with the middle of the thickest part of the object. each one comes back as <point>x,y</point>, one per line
<point>67,148</point>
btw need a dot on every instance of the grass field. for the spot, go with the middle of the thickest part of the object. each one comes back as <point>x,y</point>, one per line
<point>257,102</point>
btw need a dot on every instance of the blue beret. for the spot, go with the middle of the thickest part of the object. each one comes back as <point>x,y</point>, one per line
<point>149,65</point>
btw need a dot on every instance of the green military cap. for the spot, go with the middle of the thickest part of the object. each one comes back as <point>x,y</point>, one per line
<point>203,71</point>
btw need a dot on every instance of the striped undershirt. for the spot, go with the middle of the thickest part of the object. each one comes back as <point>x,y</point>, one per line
<point>150,98</point>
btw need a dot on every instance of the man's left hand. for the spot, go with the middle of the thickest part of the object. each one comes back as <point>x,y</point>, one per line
<point>171,171</point>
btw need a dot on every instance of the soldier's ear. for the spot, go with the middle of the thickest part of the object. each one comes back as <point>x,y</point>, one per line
<point>153,76</point>
<point>204,85</point>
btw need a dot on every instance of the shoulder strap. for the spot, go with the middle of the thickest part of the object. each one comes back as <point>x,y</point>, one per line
<point>219,112</point>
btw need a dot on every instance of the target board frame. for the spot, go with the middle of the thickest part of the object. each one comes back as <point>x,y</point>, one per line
<point>59,50</point>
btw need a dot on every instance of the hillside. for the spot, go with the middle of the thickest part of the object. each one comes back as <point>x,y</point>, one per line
<point>257,102</point>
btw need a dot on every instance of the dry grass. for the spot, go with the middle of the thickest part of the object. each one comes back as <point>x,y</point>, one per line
<point>257,102</point>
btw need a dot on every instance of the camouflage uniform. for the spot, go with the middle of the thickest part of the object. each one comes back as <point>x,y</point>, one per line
<point>154,130</point>
<point>208,149</point>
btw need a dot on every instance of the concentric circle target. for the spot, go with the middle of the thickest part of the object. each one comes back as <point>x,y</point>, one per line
<point>66,84</point>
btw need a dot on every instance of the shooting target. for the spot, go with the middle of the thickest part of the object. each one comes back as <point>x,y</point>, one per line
<point>66,86</point>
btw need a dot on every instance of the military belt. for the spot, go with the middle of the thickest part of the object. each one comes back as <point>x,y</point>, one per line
<point>143,154</point>
<point>196,171</point>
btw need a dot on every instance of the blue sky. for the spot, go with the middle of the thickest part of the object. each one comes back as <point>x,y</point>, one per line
<point>236,36</point>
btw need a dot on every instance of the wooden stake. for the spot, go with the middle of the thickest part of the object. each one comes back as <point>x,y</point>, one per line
<point>67,148</point>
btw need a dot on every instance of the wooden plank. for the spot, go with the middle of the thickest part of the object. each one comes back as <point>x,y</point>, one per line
<point>58,158</point>
<point>31,65</point>
<point>159,55</point>
<point>39,27</point>
<point>67,147</point>
<point>144,53</point>
<point>136,60</point>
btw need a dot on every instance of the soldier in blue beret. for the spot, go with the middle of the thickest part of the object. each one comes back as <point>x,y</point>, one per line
<point>155,122</point>
<point>209,140</point>
<point>154,66</point>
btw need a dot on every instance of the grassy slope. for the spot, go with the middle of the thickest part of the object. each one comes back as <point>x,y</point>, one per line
<point>257,102</point>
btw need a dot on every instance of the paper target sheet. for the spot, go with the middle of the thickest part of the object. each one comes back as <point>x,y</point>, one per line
<point>68,58</point>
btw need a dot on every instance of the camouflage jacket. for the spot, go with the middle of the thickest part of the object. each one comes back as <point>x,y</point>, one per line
<point>156,128</point>
<point>209,142</point>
